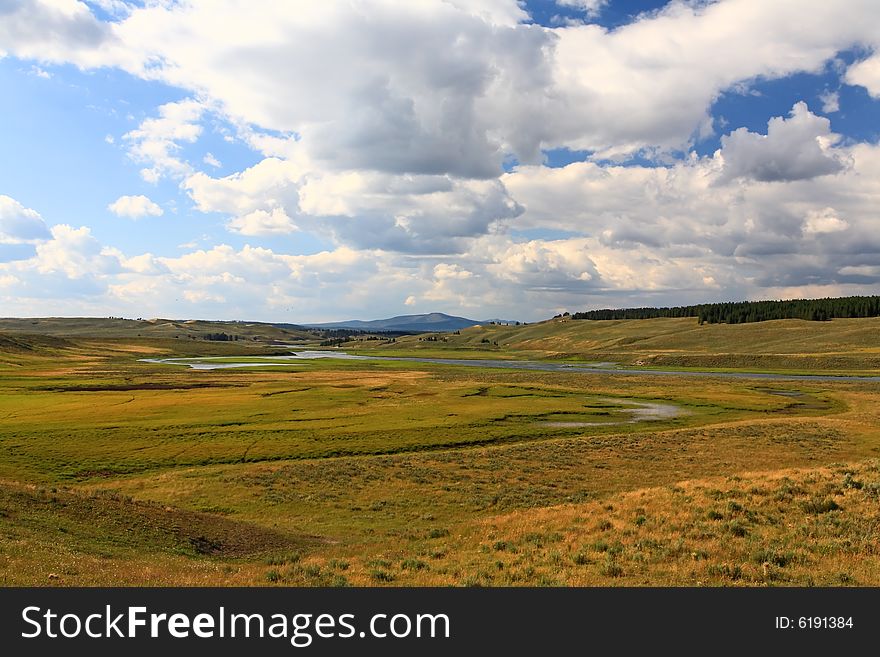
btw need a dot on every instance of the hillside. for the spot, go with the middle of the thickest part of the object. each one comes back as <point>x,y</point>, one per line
<point>839,344</point>
<point>111,327</point>
<point>792,345</point>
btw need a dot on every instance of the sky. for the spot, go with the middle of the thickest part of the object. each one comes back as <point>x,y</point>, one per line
<point>304,161</point>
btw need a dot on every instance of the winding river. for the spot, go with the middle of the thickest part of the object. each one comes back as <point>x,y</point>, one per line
<point>209,363</point>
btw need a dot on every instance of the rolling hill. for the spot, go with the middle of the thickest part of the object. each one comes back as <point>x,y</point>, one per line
<point>118,327</point>
<point>787,344</point>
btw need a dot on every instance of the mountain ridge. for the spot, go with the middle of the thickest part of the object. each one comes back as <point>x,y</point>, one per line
<point>425,322</point>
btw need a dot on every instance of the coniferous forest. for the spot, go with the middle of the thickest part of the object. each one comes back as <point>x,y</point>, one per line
<point>741,312</point>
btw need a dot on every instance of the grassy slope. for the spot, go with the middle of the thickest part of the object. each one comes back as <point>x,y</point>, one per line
<point>840,344</point>
<point>103,328</point>
<point>65,537</point>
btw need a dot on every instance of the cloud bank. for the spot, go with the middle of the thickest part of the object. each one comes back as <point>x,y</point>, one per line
<point>412,137</point>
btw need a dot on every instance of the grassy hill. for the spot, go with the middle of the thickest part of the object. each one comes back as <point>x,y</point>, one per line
<point>110,327</point>
<point>789,344</point>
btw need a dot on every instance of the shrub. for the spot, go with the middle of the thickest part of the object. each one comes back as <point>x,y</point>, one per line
<point>737,529</point>
<point>773,557</point>
<point>581,559</point>
<point>611,568</point>
<point>850,482</point>
<point>817,505</point>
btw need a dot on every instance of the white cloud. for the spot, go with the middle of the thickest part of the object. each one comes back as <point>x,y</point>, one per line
<point>866,73</point>
<point>156,141</point>
<point>261,222</point>
<point>414,214</point>
<point>40,72</point>
<point>548,265</point>
<point>684,228</point>
<point>53,30</point>
<point>499,12</point>
<point>824,221</point>
<point>210,160</point>
<point>796,148</point>
<point>830,101</point>
<point>201,296</point>
<point>269,184</point>
<point>383,126</point>
<point>20,225</point>
<point>145,263</point>
<point>135,207</point>
<point>447,86</point>
<point>75,253</point>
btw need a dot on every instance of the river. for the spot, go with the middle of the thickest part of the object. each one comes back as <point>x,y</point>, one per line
<point>208,363</point>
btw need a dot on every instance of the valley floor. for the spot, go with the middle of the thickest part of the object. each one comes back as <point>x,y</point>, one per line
<point>120,472</point>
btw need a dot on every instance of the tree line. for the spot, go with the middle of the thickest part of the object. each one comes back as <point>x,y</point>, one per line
<point>741,312</point>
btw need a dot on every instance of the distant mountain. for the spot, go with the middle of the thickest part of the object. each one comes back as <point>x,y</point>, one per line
<point>409,323</point>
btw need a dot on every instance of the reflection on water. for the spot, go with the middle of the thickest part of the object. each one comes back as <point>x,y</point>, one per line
<point>638,412</point>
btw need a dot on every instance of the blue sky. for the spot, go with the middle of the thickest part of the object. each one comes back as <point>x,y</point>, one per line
<point>484,158</point>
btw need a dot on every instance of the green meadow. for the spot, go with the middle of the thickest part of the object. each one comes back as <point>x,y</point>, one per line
<point>362,472</point>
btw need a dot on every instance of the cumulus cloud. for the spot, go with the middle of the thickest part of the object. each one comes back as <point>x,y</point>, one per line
<point>75,253</point>
<point>681,227</point>
<point>452,87</point>
<point>20,225</point>
<point>797,148</point>
<point>866,73</point>
<point>52,30</point>
<point>135,207</point>
<point>156,141</point>
<point>383,126</point>
<point>269,184</point>
<point>415,214</point>
<point>499,12</point>
<point>824,221</point>
<point>409,213</point>
<point>492,85</point>
<point>261,222</point>
<point>558,265</point>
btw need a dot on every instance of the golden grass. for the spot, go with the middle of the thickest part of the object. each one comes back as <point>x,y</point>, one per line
<point>804,527</point>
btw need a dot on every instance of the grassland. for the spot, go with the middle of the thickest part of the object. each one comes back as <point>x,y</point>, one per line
<point>117,471</point>
<point>840,345</point>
